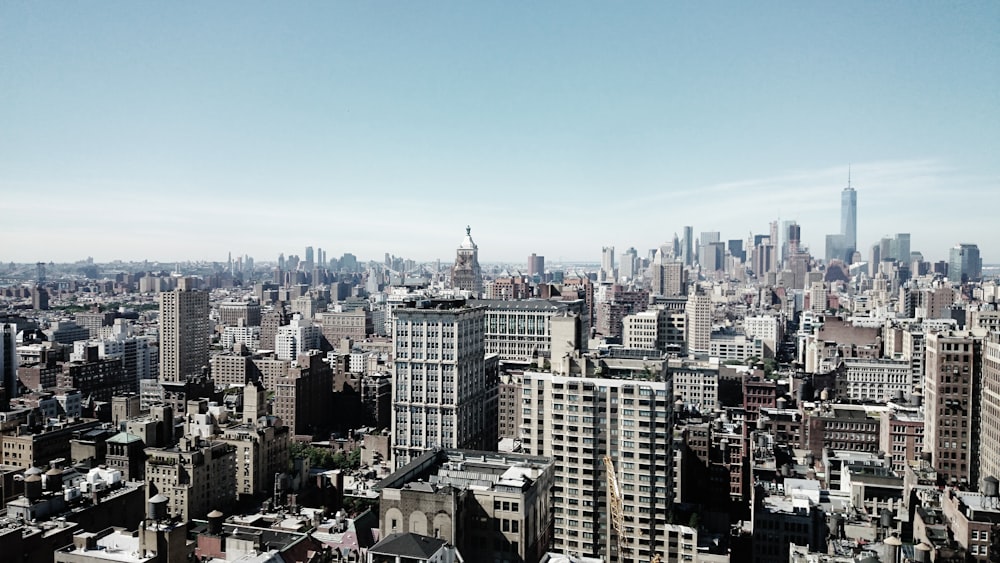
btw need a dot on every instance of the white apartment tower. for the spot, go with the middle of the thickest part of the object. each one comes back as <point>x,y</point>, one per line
<point>698,324</point>
<point>441,391</point>
<point>300,335</point>
<point>577,421</point>
<point>184,332</point>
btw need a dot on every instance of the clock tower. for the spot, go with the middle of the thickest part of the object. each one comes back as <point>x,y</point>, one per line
<point>465,274</point>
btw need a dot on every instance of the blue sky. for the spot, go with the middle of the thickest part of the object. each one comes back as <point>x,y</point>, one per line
<point>187,130</point>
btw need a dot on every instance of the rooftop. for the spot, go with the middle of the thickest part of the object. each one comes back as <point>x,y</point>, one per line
<point>408,545</point>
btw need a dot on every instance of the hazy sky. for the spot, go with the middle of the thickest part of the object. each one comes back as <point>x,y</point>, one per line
<point>184,130</point>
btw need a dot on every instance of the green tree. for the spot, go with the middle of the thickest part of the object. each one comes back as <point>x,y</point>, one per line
<point>354,459</point>
<point>339,460</point>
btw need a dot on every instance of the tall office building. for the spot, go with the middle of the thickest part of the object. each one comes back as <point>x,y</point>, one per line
<point>184,332</point>
<point>669,277</point>
<point>687,252</point>
<point>576,421</point>
<point>443,393</point>
<point>952,387</point>
<point>849,220</point>
<point>903,248</point>
<point>735,249</point>
<point>466,274</point>
<point>309,258</point>
<point>608,262</point>
<point>964,263</point>
<point>536,265</point>
<point>793,238</point>
<point>8,360</point>
<point>629,266</point>
<point>706,252</point>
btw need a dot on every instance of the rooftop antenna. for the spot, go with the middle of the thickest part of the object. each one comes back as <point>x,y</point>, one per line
<point>848,176</point>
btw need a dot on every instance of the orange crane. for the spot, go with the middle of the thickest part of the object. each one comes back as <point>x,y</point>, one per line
<point>615,506</point>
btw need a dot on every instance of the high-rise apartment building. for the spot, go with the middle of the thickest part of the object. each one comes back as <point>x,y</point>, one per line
<point>952,390</point>
<point>577,421</point>
<point>989,435</point>
<point>184,332</point>
<point>466,274</point>
<point>698,323</point>
<point>443,394</point>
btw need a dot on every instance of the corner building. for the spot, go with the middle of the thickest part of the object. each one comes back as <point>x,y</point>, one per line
<point>443,394</point>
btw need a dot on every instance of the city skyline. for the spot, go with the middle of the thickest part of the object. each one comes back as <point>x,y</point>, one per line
<point>549,129</point>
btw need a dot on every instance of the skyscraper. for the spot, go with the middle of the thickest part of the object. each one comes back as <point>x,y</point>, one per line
<point>698,316</point>
<point>8,360</point>
<point>442,393</point>
<point>849,220</point>
<point>952,391</point>
<point>579,420</point>
<point>608,261</point>
<point>903,248</point>
<point>793,234</point>
<point>706,252</point>
<point>964,263</point>
<point>687,252</point>
<point>536,265</point>
<point>184,332</point>
<point>466,274</point>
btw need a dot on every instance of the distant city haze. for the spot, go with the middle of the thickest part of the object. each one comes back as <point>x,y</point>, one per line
<point>188,131</point>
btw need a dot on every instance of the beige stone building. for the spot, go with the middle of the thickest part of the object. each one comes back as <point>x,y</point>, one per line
<point>196,476</point>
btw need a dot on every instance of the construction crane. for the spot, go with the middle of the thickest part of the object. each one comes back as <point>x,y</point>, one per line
<point>615,506</point>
